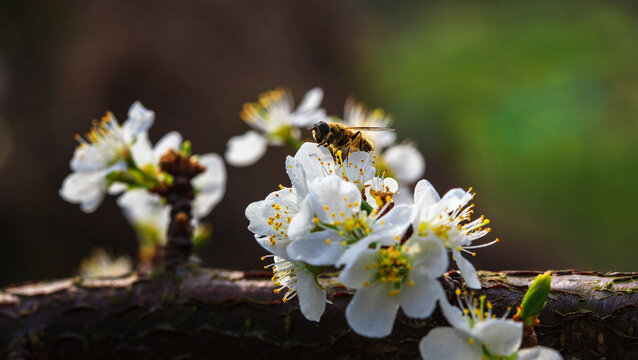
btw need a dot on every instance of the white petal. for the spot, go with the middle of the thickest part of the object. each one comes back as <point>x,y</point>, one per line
<point>429,253</point>
<point>316,161</point>
<point>139,120</point>
<point>418,301</point>
<point>142,150</point>
<point>425,194</point>
<point>245,150</point>
<point>445,343</point>
<point>538,353</point>
<point>403,196</point>
<point>255,213</point>
<point>359,270</point>
<point>311,100</point>
<point>372,311</point>
<point>503,337</point>
<point>86,189</point>
<point>301,224</point>
<point>297,176</point>
<point>405,161</point>
<point>315,249</point>
<point>211,185</point>
<point>455,198</point>
<point>331,196</point>
<point>467,271</point>
<point>312,299</point>
<point>172,140</point>
<point>395,222</point>
<point>453,315</point>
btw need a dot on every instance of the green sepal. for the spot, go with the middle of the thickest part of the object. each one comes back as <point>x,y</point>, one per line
<point>366,207</point>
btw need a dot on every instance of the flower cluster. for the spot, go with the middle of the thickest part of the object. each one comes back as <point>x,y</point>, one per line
<point>340,212</point>
<point>120,159</point>
<point>478,334</point>
<point>275,122</point>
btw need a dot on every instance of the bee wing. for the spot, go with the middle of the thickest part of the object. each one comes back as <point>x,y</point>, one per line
<point>370,128</point>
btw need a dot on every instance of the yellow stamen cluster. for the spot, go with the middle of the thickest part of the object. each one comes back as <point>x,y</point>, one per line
<point>254,110</point>
<point>393,266</point>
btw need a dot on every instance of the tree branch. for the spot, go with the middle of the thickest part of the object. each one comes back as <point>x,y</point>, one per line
<point>226,314</point>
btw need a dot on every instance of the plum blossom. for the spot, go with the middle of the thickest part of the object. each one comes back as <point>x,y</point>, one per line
<point>449,220</point>
<point>477,334</point>
<point>105,150</point>
<point>274,122</point>
<point>330,221</point>
<point>387,278</point>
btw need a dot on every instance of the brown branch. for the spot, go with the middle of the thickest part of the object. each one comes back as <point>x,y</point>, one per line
<point>179,195</point>
<point>230,315</point>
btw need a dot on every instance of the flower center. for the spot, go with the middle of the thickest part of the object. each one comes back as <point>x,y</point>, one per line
<point>393,266</point>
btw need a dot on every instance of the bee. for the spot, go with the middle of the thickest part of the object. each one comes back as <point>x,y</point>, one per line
<point>337,137</point>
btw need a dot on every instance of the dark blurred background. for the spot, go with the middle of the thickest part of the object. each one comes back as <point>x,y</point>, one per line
<point>534,104</point>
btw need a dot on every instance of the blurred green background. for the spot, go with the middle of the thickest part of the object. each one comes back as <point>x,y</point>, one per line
<point>534,104</point>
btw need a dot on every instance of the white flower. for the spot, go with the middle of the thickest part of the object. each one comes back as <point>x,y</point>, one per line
<point>108,143</point>
<point>100,264</point>
<point>388,278</point>
<point>477,334</point>
<point>269,219</point>
<point>380,191</point>
<point>356,115</point>
<point>312,162</point>
<point>148,214</point>
<point>300,282</point>
<point>276,123</point>
<point>330,221</point>
<point>449,221</point>
<point>104,151</point>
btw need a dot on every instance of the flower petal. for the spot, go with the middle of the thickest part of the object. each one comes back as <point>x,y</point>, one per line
<point>333,199</point>
<point>297,176</point>
<point>316,161</point>
<point>425,194</point>
<point>139,120</point>
<point>501,337</point>
<point>453,315</point>
<point>311,100</point>
<point>372,311</point>
<point>429,253</point>
<point>211,185</point>
<point>245,150</point>
<point>405,161</point>
<point>312,299</point>
<point>446,343</point>
<point>172,140</point>
<point>318,248</point>
<point>538,353</point>
<point>359,270</point>
<point>418,301</point>
<point>467,271</point>
<point>86,189</point>
<point>142,150</point>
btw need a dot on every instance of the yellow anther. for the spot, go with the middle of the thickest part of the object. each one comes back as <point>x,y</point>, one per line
<point>328,241</point>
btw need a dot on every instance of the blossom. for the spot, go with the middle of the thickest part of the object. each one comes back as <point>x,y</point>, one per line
<point>356,115</point>
<point>312,162</point>
<point>406,164</point>
<point>477,334</point>
<point>300,282</point>
<point>104,151</point>
<point>275,122</point>
<point>270,218</point>
<point>449,220</point>
<point>209,186</point>
<point>387,278</point>
<point>100,264</point>
<point>330,220</point>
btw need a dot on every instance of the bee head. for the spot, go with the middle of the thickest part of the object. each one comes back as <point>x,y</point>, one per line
<point>320,130</point>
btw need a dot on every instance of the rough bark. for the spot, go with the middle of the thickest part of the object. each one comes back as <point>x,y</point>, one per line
<point>229,315</point>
